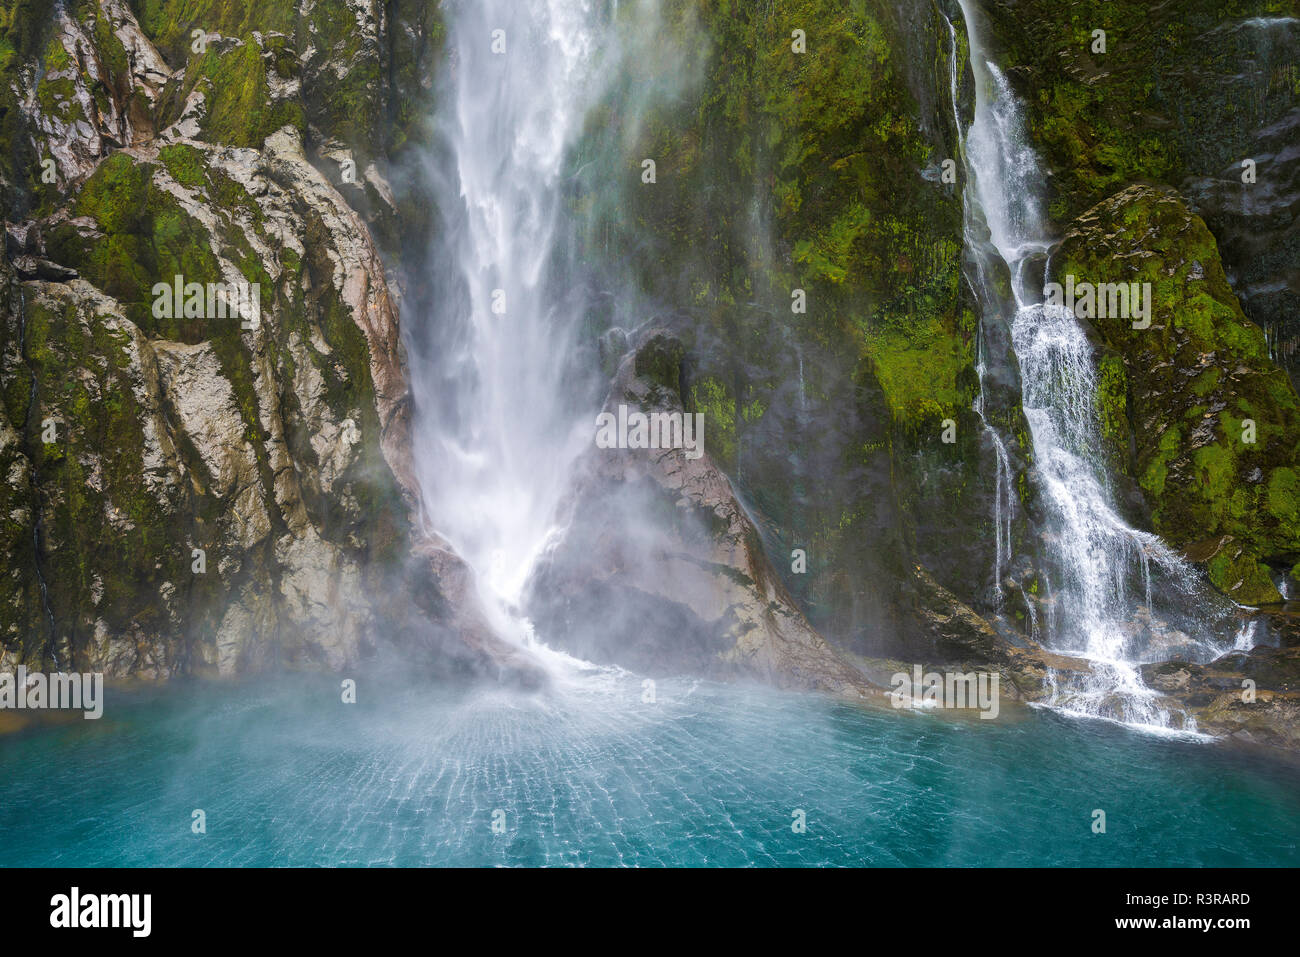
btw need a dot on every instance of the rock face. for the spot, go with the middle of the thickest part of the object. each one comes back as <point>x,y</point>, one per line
<point>207,489</point>
<point>190,491</point>
<point>661,570</point>
<point>1193,407</point>
<point>1250,696</point>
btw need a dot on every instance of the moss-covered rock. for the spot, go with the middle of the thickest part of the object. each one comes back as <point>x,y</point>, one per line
<point>1167,96</point>
<point>1184,95</point>
<point>180,133</point>
<point>262,444</point>
<point>249,88</point>
<point>69,95</point>
<point>1214,423</point>
<point>803,245</point>
<point>96,75</point>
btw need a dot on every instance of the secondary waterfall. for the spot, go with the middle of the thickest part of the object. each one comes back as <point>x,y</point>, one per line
<point>1113,591</point>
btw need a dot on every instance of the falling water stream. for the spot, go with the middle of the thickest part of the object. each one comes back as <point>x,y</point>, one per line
<point>500,401</point>
<point>1114,588</point>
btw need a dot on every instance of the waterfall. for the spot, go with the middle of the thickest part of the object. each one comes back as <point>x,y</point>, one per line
<point>505,393</point>
<point>504,368</point>
<point>501,397</point>
<point>1004,501</point>
<point>1114,590</point>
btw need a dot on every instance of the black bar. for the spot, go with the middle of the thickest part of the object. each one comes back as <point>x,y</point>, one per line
<point>896,908</point>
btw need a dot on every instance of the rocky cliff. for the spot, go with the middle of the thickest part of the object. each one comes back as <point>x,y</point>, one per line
<point>199,489</point>
<point>808,255</point>
<point>186,493</point>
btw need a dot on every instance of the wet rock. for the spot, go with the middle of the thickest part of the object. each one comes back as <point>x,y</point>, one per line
<point>661,570</point>
<point>1208,419</point>
<point>1250,696</point>
<point>260,449</point>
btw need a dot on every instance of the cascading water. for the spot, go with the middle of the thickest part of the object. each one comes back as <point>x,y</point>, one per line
<point>1105,578</point>
<point>1003,499</point>
<point>499,396</point>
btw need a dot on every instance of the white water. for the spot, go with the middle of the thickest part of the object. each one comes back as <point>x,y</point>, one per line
<point>505,393</point>
<point>499,419</point>
<point>1004,501</point>
<point>1100,570</point>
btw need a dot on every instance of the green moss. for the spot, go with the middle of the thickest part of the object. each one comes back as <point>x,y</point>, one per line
<point>1157,467</point>
<point>379,100</point>
<point>185,164</point>
<point>711,397</point>
<point>831,136</point>
<point>1166,100</point>
<point>1282,500</point>
<point>240,110</point>
<point>56,98</point>
<point>116,196</point>
<point>1215,470</point>
<point>57,58</point>
<point>109,47</point>
<point>1206,382</point>
<point>171,23</point>
<point>660,361</point>
<point>1241,577</point>
<point>1112,410</point>
<point>924,371</point>
<point>353,108</point>
<point>147,239</point>
<point>25,30</point>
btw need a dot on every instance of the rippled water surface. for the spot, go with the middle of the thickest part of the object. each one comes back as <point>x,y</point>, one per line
<point>592,774</point>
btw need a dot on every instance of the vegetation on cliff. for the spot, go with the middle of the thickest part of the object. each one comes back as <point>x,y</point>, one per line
<point>800,223</point>
<point>1212,422</point>
<point>188,491</point>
